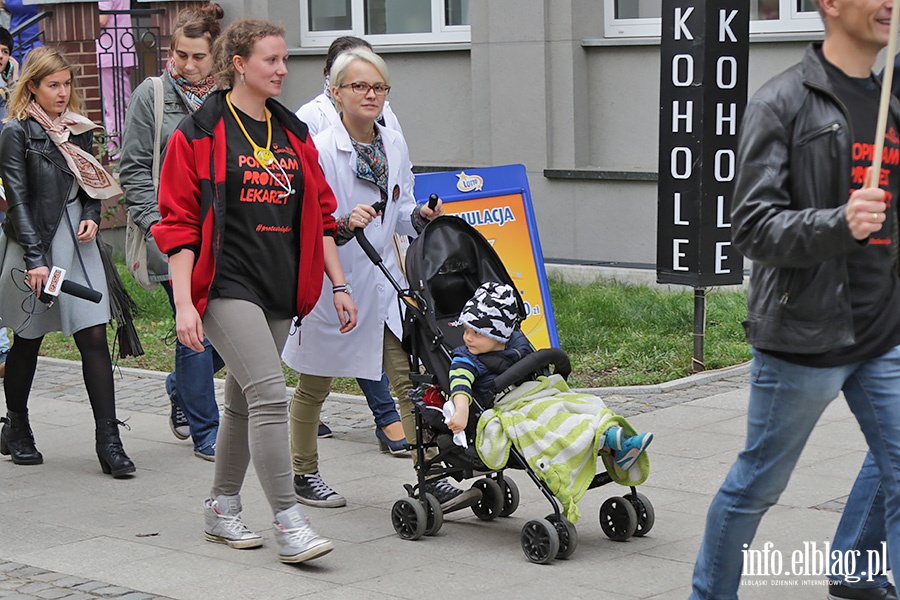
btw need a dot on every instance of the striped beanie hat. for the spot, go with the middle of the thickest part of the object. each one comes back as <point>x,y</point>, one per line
<point>492,311</point>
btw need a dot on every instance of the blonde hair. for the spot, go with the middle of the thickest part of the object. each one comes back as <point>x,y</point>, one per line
<point>238,39</point>
<point>40,62</point>
<point>339,68</point>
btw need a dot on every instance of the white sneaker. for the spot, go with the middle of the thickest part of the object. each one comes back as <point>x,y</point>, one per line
<point>225,526</point>
<point>297,542</point>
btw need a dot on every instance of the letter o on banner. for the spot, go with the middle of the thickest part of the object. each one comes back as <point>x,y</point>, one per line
<point>685,172</point>
<point>724,167</point>
<point>688,61</point>
<point>732,72</point>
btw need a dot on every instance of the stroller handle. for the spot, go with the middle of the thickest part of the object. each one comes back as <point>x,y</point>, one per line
<point>530,364</point>
<point>367,246</point>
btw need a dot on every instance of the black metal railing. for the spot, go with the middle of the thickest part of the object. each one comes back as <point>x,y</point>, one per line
<point>126,55</point>
<point>25,37</point>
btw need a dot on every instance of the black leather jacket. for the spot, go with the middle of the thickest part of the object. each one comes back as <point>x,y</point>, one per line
<point>37,182</point>
<point>788,213</point>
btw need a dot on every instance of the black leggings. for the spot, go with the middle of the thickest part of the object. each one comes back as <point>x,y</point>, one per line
<point>96,367</point>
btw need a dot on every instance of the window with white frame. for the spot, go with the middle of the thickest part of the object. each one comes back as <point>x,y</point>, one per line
<point>642,18</point>
<point>385,21</point>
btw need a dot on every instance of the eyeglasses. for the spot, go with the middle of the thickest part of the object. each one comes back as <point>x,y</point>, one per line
<point>362,88</point>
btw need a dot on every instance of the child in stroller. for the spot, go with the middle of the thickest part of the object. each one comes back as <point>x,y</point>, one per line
<point>491,345</point>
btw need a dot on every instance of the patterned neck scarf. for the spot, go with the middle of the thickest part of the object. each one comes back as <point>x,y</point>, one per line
<point>371,163</point>
<point>91,176</point>
<point>193,94</point>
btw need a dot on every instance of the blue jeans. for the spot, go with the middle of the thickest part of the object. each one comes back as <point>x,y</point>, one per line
<point>786,401</point>
<point>195,392</point>
<point>862,526</point>
<point>381,403</point>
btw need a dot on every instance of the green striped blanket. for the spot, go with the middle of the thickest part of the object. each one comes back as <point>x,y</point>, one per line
<point>559,432</point>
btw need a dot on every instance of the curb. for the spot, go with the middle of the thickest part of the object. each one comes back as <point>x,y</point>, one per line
<point>632,390</point>
<point>670,386</point>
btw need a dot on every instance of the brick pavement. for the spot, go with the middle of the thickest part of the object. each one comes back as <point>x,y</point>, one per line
<point>143,391</point>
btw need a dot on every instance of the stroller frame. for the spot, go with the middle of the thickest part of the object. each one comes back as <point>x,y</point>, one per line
<point>420,514</point>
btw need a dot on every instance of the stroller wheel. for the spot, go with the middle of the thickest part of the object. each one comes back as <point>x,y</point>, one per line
<point>510,496</point>
<point>491,503</point>
<point>435,519</point>
<point>568,536</point>
<point>409,518</point>
<point>618,519</point>
<point>646,516</point>
<point>540,541</point>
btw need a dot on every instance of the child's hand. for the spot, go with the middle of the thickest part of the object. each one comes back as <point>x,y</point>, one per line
<point>460,419</point>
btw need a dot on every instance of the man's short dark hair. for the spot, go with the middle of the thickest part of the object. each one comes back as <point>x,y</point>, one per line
<point>6,38</point>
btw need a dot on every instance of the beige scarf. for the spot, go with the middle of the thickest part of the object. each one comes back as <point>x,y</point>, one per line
<point>91,175</point>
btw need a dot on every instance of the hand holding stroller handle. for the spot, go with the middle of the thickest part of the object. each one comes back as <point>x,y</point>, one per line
<point>432,201</point>
<point>532,363</point>
<point>366,245</point>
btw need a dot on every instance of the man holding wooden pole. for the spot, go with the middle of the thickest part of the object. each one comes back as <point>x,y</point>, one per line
<point>824,296</point>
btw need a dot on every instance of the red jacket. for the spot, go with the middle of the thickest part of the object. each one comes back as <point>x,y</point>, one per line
<point>193,181</point>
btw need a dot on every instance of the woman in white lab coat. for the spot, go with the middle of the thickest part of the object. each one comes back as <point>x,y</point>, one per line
<point>365,164</point>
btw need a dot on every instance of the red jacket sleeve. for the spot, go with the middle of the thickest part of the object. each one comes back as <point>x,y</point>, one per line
<point>179,197</point>
<point>327,201</point>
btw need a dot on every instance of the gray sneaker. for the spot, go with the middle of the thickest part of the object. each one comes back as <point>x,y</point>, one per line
<point>312,490</point>
<point>224,524</point>
<point>297,542</point>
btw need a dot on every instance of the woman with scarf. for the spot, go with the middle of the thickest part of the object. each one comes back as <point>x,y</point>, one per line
<point>186,83</point>
<point>54,187</point>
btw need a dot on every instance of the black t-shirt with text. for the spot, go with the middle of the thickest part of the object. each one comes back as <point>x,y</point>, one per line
<point>874,284</point>
<point>260,257</point>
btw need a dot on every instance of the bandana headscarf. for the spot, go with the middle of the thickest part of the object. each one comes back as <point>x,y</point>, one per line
<point>91,176</point>
<point>193,94</point>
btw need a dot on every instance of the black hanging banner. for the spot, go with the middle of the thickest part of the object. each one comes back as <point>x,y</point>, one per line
<point>702,96</point>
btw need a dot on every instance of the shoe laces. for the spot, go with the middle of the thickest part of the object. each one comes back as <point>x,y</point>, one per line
<point>232,523</point>
<point>318,485</point>
<point>179,414</point>
<point>444,490</point>
<point>301,535</point>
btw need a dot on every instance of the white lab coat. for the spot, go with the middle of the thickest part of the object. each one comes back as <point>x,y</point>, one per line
<point>319,114</point>
<point>319,348</point>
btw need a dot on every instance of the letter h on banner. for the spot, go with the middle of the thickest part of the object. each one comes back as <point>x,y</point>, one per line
<point>702,94</point>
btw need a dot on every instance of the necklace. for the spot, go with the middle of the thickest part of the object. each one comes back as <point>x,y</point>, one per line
<point>263,155</point>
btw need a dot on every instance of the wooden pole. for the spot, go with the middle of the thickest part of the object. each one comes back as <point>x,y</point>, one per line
<point>885,102</point>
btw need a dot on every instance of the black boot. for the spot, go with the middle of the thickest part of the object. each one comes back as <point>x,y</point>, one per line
<point>17,441</point>
<point>113,459</point>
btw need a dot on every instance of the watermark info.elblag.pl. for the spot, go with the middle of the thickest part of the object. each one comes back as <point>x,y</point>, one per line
<point>807,565</point>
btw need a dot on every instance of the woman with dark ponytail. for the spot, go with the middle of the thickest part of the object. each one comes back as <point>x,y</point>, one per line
<point>186,82</point>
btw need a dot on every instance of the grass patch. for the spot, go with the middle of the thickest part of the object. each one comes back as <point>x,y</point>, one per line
<point>615,334</point>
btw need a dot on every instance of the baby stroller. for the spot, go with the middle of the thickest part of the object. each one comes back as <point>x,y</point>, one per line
<point>444,266</point>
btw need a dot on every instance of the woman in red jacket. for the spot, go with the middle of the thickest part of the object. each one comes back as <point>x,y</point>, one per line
<point>247,225</point>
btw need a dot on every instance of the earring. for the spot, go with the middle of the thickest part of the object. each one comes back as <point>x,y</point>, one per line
<point>242,80</point>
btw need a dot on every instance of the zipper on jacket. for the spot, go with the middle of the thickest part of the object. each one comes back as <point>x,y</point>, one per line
<point>832,128</point>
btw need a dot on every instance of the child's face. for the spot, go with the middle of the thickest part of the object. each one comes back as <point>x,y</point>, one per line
<point>4,57</point>
<point>480,344</point>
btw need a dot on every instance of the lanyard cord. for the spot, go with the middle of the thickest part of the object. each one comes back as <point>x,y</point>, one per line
<point>263,155</point>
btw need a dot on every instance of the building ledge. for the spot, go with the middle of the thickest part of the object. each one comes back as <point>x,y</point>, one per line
<point>601,174</point>
<point>388,49</point>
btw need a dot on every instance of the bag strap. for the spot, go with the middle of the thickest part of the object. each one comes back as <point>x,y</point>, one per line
<point>158,121</point>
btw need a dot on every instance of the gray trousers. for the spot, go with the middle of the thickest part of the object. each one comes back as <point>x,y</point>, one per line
<point>254,423</point>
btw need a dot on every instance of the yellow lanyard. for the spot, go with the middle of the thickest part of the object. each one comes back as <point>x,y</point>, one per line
<point>263,155</point>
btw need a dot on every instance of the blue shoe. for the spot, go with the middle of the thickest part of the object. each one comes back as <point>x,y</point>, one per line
<point>178,423</point>
<point>613,438</point>
<point>207,453</point>
<point>395,447</point>
<point>632,448</point>
<point>324,430</point>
